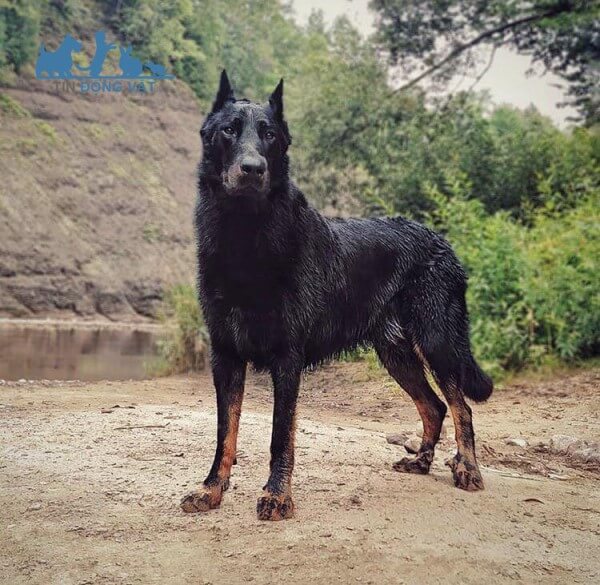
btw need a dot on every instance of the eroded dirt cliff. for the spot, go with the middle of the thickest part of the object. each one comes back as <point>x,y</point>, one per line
<point>96,199</point>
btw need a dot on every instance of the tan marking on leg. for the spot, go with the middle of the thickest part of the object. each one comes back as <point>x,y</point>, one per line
<point>431,422</point>
<point>209,496</point>
<point>462,428</point>
<point>465,470</point>
<point>230,442</point>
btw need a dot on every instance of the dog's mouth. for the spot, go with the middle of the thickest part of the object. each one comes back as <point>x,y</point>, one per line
<point>237,183</point>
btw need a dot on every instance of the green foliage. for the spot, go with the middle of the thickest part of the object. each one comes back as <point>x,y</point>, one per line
<point>184,345</point>
<point>534,290</point>
<point>255,41</point>
<point>19,27</point>
<point>11,107</point>
<point>336,92</point>
<point>513,160</point>
<point>563,279</point>
<point>158,29</point>
<point>47,130</point>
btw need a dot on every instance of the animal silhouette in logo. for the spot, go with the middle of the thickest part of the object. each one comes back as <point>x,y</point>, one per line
<point>57,64</point>
<point>102,50</point>
<point>134,68</point>
<point>130,65</point>
<point>156,69</point>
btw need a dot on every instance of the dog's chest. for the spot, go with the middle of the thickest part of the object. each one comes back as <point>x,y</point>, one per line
<point>244,269</point>
<point>245,281</point>
<point>247,277</point>
<point>257,336</point>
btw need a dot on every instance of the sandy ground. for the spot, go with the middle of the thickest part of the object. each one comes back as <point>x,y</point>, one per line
<point>89,491</point>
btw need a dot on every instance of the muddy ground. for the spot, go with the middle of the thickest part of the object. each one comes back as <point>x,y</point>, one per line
<point>89,490</point>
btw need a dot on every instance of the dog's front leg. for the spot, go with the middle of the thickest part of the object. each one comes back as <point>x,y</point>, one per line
<point>228,375</point>
<point>276,502</point>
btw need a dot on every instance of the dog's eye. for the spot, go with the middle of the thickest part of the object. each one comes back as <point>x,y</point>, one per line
<point>229,130</point>
<point>269,135</point>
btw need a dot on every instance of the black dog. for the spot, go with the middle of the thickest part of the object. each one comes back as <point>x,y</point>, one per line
<point>284,288</point>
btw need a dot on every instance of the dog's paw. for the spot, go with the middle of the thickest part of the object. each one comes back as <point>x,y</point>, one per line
<point>418,464</point>
<point>466,474</point>
<point>270,507</point>
<point>201,500</point>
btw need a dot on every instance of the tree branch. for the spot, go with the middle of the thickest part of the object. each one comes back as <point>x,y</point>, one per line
<point>478,39</point>
<point>485,69</point>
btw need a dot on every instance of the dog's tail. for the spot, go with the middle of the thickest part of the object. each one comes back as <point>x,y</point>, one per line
<point>476,384</point>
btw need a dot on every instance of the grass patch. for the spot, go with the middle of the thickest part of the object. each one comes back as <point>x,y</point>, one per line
<point>152,233</point>
<point>27,146</point>
<point>47,130</point>
<point>97,131</point>
<point>11,107</point>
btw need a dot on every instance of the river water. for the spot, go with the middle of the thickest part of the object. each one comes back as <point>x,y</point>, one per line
<point>75,351</point>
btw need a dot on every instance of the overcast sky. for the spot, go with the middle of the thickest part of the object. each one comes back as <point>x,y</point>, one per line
<point>506,80</point>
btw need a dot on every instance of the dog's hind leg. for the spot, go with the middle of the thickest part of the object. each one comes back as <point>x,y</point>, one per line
<point>446,372</point>
<point>228,374</point>
<point>276,503</point>
<point>405,367</point>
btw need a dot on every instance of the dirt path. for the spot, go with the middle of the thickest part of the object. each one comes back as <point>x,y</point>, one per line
<point>88,496</point>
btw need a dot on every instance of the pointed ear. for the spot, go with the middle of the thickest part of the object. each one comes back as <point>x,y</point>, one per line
<point>276,101</point>
<point>224,94</point>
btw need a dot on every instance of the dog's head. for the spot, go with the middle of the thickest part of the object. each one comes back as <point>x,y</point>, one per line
<point>245,143</point>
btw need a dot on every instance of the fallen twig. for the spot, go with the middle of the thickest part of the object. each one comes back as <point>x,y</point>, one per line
<point>513,475</point>
<point>141,427</point>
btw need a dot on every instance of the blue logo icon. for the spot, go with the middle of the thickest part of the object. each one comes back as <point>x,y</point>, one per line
<point>59,64</point>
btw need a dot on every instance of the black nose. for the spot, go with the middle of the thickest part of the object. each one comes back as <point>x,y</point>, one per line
<point>254,166</point>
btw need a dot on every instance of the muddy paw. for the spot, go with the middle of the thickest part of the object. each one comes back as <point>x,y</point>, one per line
<point>201,500</point>
<point>466,474</point>
<point>271,507</point>
<point>419,464</point>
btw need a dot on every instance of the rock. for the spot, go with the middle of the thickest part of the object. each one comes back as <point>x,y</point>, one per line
<point>396,438</point>
<point>412,445</point>
<point>110,303</point>
<point>576,448</point>
<point>564,444</point>
<point>145,296</point>
<point>34,507</point>
<point>590,454</point>
<point>517,442</point>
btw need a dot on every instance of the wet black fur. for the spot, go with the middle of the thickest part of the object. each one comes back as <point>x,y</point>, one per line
<point>284,288</point>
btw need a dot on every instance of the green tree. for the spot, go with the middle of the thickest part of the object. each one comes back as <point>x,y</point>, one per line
<point>19,28</point>
<point>440,38</point>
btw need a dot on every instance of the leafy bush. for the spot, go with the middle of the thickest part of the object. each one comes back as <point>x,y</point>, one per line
<point>534,288</point>
<point>563,279</point>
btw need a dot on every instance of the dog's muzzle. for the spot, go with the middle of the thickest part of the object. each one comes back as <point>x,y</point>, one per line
<point>246,177</point>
